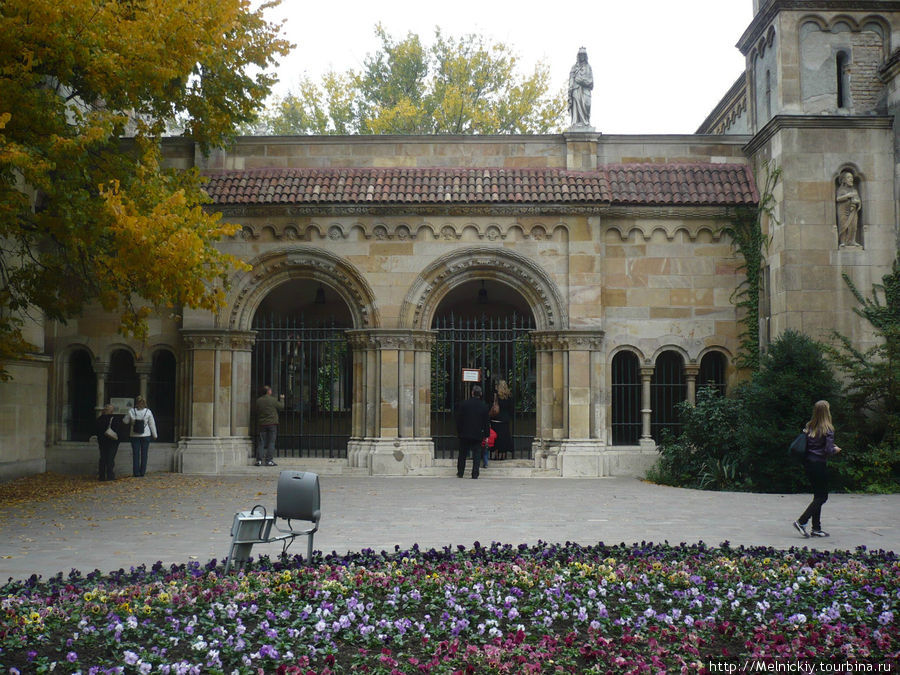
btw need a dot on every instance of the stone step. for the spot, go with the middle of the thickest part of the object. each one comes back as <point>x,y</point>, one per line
<point>443,468</point>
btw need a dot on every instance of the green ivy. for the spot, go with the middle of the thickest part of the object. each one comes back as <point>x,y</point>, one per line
<point>749,241</point>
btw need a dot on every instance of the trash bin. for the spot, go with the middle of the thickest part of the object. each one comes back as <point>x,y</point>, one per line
<point>298,496</point>
<point>298,499</point>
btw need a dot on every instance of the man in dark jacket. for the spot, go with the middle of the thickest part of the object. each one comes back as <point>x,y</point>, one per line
<point>473,425</point>
<point>267,409</point>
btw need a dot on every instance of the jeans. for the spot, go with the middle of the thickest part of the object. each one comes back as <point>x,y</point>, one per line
<point>139,447</point>
<point>817,473</point>
<point>265,442</point>
<point>485,455</point>
<point>467,447</point>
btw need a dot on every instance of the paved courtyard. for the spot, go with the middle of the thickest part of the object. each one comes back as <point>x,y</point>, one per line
<point>177,518</point>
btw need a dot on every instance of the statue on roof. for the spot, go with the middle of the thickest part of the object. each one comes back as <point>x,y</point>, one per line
<point>581,83</point>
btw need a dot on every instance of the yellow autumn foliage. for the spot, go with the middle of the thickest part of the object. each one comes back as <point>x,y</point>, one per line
<point>87,211</point>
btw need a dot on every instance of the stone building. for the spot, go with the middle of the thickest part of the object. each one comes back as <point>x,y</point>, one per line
<point>589,271</point>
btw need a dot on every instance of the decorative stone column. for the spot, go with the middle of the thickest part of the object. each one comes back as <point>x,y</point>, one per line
<point>143,372</point>
<point>391,423</point>
<point>582,449</point>
<point>646,442</point>
<point>544,450</point>
<point>570,412</point>
<point>101,370</point>
<point>216,389</point>
<point>691,370</point>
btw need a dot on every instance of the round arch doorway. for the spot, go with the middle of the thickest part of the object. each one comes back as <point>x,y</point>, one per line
<point>301,351</point>
<point>483,324</point>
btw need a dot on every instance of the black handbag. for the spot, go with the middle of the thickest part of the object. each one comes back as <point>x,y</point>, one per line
<point>798,446</point>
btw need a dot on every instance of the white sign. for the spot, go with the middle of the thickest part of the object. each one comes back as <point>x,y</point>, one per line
<point>121,405</point>
<point>471,375</point>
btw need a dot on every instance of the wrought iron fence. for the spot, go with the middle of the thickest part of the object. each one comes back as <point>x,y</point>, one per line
<point>501,348</point>
<point>312,367</point>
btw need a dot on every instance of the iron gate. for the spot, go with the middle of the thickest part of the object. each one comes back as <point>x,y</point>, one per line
<point>501,347</point>
<point>312,367</point>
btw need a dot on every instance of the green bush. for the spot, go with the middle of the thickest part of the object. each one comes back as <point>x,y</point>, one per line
<point>705,454</point>
<point>775,405</point>
<point>741,441</point>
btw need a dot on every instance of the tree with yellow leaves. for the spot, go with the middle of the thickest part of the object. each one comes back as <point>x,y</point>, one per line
<point>87,212</point>
<point>456,86</point>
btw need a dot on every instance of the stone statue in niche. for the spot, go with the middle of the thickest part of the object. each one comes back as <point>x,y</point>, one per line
<point>848,207</point>
<point>581,83</point>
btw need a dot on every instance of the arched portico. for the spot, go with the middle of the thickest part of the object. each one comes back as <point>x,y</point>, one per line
<point>217,383</point>
<point>448,272</point>
<point>277,267</point>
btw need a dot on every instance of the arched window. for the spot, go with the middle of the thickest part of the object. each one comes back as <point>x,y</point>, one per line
<point>122,381</point>
<point>768,94</point>
<point>81,393</point>
<point>161,394</point>
<point>667,390</point>
<point>712,372</point>
<point>626,399</point>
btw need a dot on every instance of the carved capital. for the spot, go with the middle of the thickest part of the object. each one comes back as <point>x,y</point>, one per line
<point>218,340</point>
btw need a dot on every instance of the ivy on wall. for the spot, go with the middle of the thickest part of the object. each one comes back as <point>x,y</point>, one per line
<point>751,243</point>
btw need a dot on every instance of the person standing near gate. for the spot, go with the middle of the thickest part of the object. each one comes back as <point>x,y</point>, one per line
<point>267,409</point>
<point>473,426</point>
<point>143,426</point>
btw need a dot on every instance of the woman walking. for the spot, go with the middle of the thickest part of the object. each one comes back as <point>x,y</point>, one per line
<point>819,447</point>
<point>143,427</point>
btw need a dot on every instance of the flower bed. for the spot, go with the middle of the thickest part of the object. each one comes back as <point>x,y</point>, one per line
<point>498,609</point>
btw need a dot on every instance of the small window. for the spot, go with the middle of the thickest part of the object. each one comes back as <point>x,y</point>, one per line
<point>841,70</point>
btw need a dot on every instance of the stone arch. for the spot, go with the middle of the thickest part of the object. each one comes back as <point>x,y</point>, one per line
<point>626,348</point>
<point>276,267</point>
<point>481,262</point>
<point>724,351</point>
<point>681,351</point>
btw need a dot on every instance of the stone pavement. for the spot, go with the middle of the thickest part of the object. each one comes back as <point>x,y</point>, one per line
<point>179,518</point>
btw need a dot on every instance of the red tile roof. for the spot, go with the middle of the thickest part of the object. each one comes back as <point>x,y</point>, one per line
<point>638,184</point>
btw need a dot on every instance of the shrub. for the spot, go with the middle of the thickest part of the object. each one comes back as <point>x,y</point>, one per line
<point>741,441</point>
<point>775,405</point>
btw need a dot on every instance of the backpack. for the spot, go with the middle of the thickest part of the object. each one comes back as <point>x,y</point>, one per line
<point>137,426</point>
<point>797,448</point>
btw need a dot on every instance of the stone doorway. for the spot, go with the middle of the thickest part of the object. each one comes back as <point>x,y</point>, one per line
<point>301,351</point>
<point>487,325</point>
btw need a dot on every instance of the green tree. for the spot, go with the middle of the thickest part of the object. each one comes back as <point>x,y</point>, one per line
<point>872,387</point>
<point>86,215</point>
<point>456,86</point>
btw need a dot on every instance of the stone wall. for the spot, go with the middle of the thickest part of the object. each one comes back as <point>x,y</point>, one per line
<point>23,417</point>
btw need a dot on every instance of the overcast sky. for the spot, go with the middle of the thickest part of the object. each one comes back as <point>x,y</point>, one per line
<point>660,66</point>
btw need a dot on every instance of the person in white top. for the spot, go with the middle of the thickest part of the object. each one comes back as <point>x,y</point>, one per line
<point>143,427</point>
